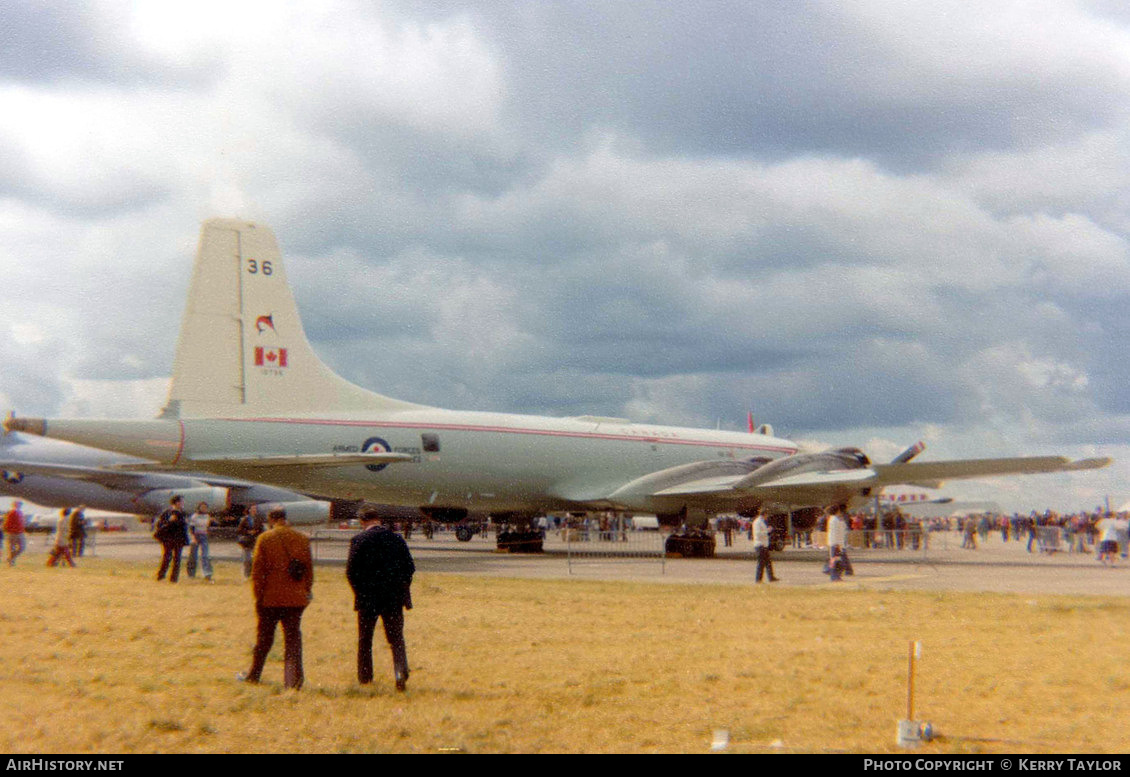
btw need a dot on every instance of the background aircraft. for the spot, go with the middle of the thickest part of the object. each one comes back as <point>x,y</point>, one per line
<point>250,399</point>
<point>60,474</point>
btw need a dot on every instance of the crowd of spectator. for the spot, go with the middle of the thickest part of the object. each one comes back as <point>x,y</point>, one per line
<point>1046,531</point>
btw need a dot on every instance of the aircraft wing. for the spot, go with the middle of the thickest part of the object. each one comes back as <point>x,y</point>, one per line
<point>932,473</point>
<point>724,486</point>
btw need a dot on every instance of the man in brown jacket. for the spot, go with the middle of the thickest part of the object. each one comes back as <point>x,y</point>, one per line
<point>282,577</point>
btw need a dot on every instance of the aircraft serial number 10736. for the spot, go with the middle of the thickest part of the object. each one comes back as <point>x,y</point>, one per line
<point>250,399</point>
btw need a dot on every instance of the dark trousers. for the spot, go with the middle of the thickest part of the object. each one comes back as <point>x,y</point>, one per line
<point>393,619</point>
<point>170,555</point>
<point>764,563</point>
<point>269,618</point>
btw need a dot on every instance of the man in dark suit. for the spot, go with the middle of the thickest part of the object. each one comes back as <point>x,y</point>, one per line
<point>380,570</point>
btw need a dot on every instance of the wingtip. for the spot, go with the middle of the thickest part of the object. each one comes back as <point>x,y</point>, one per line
<point>1096,463</point>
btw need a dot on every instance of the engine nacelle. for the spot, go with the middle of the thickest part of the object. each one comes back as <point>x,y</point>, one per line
<point>445,514</point>
<point>306,512</point>
<point>841,458</point>
<point>215,497</point>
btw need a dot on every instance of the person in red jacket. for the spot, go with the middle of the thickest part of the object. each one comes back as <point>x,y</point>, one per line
<point>15,528</point>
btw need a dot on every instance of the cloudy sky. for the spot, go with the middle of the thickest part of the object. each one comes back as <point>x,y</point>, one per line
<point>870,222</point>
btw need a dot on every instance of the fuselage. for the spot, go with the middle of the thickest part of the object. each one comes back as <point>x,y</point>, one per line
<point>489,462</point>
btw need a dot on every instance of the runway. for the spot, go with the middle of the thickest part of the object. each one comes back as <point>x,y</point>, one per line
<point>995,566</point>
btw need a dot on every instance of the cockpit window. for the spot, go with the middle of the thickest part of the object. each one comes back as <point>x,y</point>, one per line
<point>430,442</point>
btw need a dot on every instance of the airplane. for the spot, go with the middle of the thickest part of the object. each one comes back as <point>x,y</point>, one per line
<point>52,473</point>
<point>250,399</point>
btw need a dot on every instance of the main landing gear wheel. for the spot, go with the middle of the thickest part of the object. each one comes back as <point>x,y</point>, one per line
<point>529,541</point>
<point>464,533</point>
<point>691,544</point>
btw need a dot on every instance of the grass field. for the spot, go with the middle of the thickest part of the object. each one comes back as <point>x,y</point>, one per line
<point>102,659</point>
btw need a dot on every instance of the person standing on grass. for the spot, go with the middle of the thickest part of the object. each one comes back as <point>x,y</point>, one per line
<point>379,570</point>
<point>15,529</point>
<point>198,534</point>
<point>282,577</point>
<point>62,548</point>
<point>247,532</point>
<point>78,531</point>
<point>170,528</point>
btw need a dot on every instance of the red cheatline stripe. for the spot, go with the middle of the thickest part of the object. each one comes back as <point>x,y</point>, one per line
<point>180,443</point>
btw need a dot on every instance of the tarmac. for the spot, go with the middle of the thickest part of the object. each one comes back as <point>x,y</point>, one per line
<point>994,566</point>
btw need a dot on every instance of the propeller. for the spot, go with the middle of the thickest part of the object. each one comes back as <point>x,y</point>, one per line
<point>909,453</point>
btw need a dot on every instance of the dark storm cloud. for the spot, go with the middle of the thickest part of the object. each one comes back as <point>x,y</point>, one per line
<point>81,42</point>
<point>771,79</point>
<point>856,219</point>
<point>46,41</point>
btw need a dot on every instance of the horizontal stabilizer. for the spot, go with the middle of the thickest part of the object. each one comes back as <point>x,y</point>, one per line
<point>104,477</point>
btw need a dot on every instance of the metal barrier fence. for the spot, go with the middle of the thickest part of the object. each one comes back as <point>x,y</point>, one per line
<point>89,545</point>
<point>330,543</point>
<point>590,548</point>
<point>904,541</point>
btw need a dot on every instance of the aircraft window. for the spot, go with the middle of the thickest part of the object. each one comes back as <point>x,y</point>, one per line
<point>430,442</point>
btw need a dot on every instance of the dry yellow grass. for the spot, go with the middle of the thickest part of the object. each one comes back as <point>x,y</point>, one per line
<point>104,659</point>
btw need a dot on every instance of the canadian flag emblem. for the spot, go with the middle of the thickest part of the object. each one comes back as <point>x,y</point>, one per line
<point>270,357</point>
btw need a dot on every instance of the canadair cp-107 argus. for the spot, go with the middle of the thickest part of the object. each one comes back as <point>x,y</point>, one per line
<point>250,399</point>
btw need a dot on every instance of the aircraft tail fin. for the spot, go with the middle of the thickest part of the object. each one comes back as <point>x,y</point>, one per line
<point>242,349</point>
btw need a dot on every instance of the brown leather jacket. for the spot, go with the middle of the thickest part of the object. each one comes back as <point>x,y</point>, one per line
<point>272,583</point>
